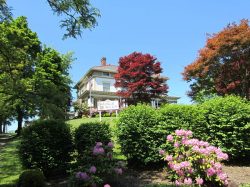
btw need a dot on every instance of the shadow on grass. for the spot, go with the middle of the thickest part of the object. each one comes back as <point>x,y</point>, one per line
<point>10,165</point>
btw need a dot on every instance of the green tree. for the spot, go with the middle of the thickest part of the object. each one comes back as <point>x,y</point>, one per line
<point>18,49</point>
<point>77,15</point>
<point>5,113</point>
<point>52,83</point>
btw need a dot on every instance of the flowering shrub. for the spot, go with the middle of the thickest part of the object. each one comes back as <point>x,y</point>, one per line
<point>194,162</point>
<point>100,166</point>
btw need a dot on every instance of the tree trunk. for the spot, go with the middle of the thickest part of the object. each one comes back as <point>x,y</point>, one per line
<point>1,128</point>
<point>19,120</point>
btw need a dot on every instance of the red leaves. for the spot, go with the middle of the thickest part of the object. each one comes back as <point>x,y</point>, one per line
<point>137,77</point>
<point>225,60</point>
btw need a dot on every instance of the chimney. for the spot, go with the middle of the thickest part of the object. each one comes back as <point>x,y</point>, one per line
<point>103,61</point>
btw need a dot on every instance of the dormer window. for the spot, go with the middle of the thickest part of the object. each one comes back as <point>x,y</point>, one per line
<point>106,74</point>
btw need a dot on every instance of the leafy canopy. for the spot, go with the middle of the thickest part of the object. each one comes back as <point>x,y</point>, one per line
<point>139,78</point>
<point>77,15</point>
<point>223,65</point>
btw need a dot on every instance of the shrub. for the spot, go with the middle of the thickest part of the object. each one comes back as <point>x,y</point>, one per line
<point>87,134</point>
<point>47,145</point>
<point>99,168</point>
<point>191,161</point>
<point>139,134</point>
<point>31,178</point>
<point>228,126</point>
<point>175,116</point>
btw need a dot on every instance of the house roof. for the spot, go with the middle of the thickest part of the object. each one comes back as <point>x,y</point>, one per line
<point>105,68</point>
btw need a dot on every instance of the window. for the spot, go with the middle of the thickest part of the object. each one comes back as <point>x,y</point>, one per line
<point>106,87</point>
<point>105,74</point>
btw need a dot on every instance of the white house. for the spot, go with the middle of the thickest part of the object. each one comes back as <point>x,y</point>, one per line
<point>98,85</point>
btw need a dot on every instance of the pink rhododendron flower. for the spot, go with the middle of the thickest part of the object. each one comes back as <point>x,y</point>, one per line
<point>162,152</point>
<point>211,171</point>
<point>98,144</point>
<point>170,138</point>
<point>92,169</point>
<point>217,165</point>
<point>176,167</point>
<point>169,158</point>
<point>185,164</point>
<point>199,181</point>
<point>177,183</point>
<point>106,185</point>
<point>222,176</point>
<point>176,144</point>
<point>188,181</point>
<point>98,150</point>
<point>82,175</point>
<point>110,145</point>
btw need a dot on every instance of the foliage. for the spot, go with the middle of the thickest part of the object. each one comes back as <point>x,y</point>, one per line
<point>47,145</point>
<point>31,178</point>
<point>228,125</point>
<point>87,134</point>
<point>222,66</point>
<point>18,49</point>
<point>99,167</point>
<point>191,161</point>
<point>81,108</point>
<point>175,116</point>
<point>52,83</point>
<point>139,78</point>
<point>139,134</point>
<point>79,14</point>
<point>5,11</point>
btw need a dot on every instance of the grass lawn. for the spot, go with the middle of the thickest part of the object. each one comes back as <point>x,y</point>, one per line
<point>10,166</point>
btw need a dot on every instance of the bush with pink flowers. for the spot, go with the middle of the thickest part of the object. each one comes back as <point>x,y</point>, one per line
<point>99,167</point>
<point>193,162</point>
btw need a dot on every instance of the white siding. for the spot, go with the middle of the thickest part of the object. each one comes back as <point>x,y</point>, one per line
<point>99,84</point>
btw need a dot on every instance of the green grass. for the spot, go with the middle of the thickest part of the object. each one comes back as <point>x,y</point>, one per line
<point>10,165</point>
<point>74,123</point>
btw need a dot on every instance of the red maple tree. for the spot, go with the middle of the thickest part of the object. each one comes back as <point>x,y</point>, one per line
<point>223,65</point>
<point>138,78</point>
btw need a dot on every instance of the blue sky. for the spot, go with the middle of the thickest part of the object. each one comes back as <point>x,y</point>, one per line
<point>172,31</point>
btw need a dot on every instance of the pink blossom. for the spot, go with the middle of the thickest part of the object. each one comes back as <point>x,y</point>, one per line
<point>170,138</point>
<point>217,165</point>
<point>222,156</point>
<point>98,144</point>
<point>169,158</point>
<point>176,167</point>
<point>222,176</point>
<point>199,181</point>
<point>106,185</point>
<point>185,164</point>
<point>188,181</point>
<point>196,148</point>
<point>82,175</point>
<point>177,183</point>
<point>98,150</point>
<point>176,144</point>
<point>189,133</point>
<point>110,145</point>
<point>180,172</point>
<point>161,152</point>
<point>204,144</point>
<point>92,169</point>
<point>180,132</point>
<point>191,170</point>
<point>171,165</point>
<point>211,171</point>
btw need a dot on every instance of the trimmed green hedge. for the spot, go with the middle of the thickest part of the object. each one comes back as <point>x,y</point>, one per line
<point>224,122</point>
<point>87,134</point>
<point>139,134</point>
<point>228,125</point>
<point>46,144</point>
